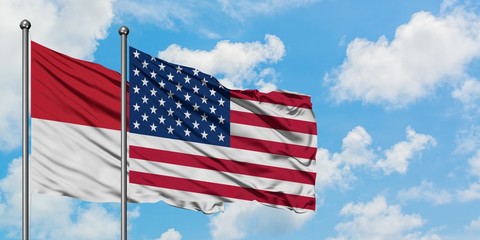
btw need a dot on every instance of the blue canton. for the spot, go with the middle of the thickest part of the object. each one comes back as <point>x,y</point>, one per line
<point>178,102</point>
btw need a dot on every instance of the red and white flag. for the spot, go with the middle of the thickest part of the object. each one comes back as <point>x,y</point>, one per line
<point>75,127</point>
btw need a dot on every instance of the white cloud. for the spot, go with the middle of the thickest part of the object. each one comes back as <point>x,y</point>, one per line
<point>473,226</point>
<point>332,171</point>
<point>411,66</point>
<point>468,140</point>
<point>242,69</point>
<point>243,9</point>
<point>474,163</point>
<point>134,213</point>
<point>448,5</point>
<point>425,191</point>
<point>170,234</point>
<point>470,194</point>
<point>164,13</point>
<point>357,152</point>
<point>398,157</point>
<point>420,236</point>
<point>242,219</point>
<point>52,217</point>
<point>11,196</point>
<point>377,220</point>
<point>468,93</point>
<point>198,16</point>
<point>337,168</point>
<point>61,24</point>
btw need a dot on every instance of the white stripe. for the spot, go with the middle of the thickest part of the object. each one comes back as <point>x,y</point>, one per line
<point>232,179</point>
<point>74,160</point>
<point>274,135</point>
<point>188,200</point>
<point>271,109</point>
<point>227,153</point>
<point>183,199</point>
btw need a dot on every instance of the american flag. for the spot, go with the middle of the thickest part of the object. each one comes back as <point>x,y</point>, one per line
<point>196,144</point>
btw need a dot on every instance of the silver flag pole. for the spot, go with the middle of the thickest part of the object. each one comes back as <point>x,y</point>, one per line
<point>25,26</point>
<point>123,31</point>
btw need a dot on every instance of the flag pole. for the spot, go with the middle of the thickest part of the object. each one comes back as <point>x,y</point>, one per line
<point>25,26</point>
<point>123,31</point>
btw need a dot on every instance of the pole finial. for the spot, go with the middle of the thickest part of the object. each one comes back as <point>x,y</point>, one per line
<point>123,30</point>
<point>25,24</point>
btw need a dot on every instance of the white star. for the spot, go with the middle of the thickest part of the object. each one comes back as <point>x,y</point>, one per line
<point>153,110</point>
<point>212,109</point>
<point>195,107</point>
<point>221,102</point>
<point>220,86</point>
<point>187,132</point>
<point>153,74</point>
<point>136,53</point>
<point>170,77</point>
<point>195,72</point>
<point>144,82</point>
<point>144,117</point>
<point>161,102</point>
<point>162,67</point>
<point>221,119</point>
<point>136,72</point>
<point>145,99</point>
<point>196,89</point>
<point>187,115</point>
<point>136,89</point>
<point>196,124</point>
<point>170,112</point>
<point>144,64</point>
<point>204,99</point>
<point>152,58</point>
<point>136,125</point>
<point>179,69</point>
<point>204,117</point>
<point>161,119</point>
<point>204,135</point>
<point>212,127</point>
<point>170,130</point>
<point>161,84</point>
<point>136,107</point>
<point>212,92</point>
<point>187,97</point>
<point>179,87</point>
<point>187,79</point>
<point>204,81</point>
<point>153,92</point>
<point>179,104</point>
<point>221,137</point>
<point>170,94</point>
<point>153,127</point>
<point>179,122</point>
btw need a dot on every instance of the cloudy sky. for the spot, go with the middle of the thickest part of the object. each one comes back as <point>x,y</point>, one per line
<point>395,87</point>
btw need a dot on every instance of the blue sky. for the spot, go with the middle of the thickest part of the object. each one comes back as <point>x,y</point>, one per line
<point>395,89</point>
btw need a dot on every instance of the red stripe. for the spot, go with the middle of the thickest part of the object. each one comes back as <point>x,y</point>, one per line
<point>279,123</point>
<point>283,98</point>
<point>70,90</point>
<point>265,146</point>
<point>222,190</point>
<point>223,165</point>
